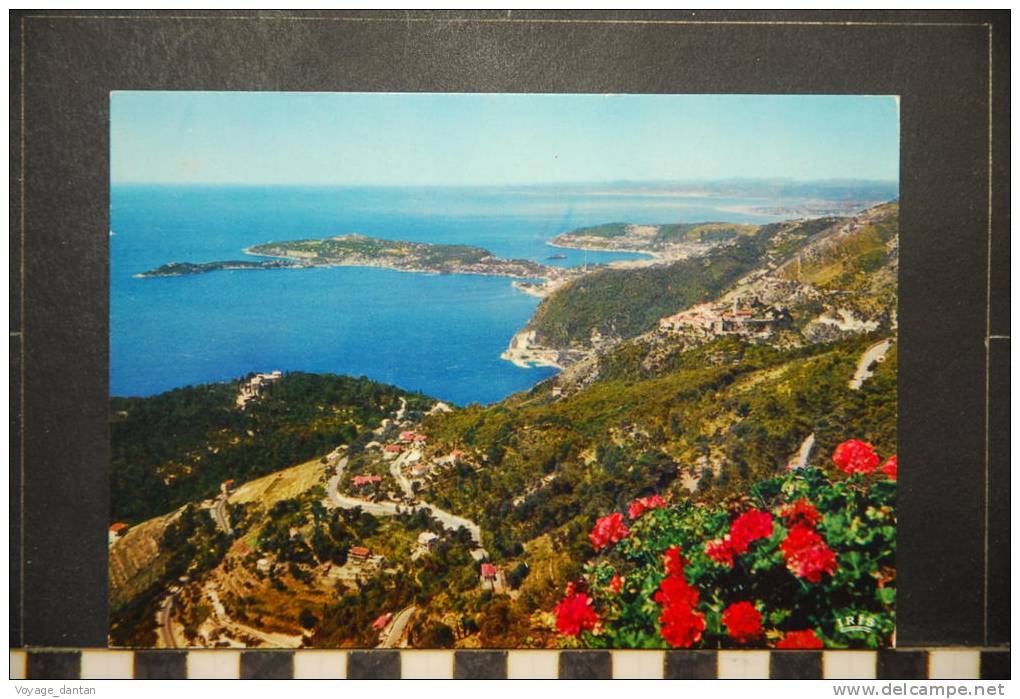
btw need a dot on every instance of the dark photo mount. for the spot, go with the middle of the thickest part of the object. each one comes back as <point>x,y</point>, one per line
<point>950,69</point>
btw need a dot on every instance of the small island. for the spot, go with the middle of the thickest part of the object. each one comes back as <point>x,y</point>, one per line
<point>356,250</point>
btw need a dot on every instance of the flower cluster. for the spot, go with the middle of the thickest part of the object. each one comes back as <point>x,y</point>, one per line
<point>854,456</point>
<point>806,553</point>
<point>608,530</point>
<point>889,467</point>
<point>682,624</point>
<point>801,511</point>
<point>742,622</point>
<point>728,590</point>
<point>800,640</point>
<point>639,506</point>
<point>575,614</point>
<point>748,527</point>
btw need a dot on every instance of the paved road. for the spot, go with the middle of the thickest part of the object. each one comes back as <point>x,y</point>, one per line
<point>166,631</point>
<point>388,509</point>
<point>804,453</point>
<point>221,515</point>
<point>394,631</point>
<point>273,640</point>
<point>875,353</point>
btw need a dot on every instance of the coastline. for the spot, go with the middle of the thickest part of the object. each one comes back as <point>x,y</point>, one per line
<point>654,255</point>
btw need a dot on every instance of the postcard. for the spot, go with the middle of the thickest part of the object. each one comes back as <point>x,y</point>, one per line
<point>427,370</point>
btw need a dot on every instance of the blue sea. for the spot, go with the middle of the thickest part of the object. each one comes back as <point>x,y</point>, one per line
<point>441,335</point>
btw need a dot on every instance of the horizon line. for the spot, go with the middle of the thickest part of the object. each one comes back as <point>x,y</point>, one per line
<point>562,183</point>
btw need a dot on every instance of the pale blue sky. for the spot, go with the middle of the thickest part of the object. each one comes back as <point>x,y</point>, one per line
<point>496,139</point>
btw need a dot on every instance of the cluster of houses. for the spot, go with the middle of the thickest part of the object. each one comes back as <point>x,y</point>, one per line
<point>752,319</point>
<point>254,387</point>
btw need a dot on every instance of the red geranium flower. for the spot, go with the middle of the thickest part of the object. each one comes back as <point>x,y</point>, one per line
<point>682,625</point>
<point>673,562</point>
<point>719,551</point>
<point>608,530</point>
<point>800,640</point>
<point>855,456</point>
<point>616,584</point>
<point>675,592</point>
<point>575,614</point>
<point>742,621</point>
<point>806,553</point>
<point>801,511</point>
<point>889,467</point>
<point>752,525</point>
<point>642,505</point>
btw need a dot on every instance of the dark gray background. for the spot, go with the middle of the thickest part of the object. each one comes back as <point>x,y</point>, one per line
<point>953,560</point>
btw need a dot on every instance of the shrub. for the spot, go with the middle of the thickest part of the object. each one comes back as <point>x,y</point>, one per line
<point>806,558</point>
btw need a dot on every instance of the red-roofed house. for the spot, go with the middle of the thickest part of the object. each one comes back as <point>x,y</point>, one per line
<point>407,436</point>
<point>359,481</point>
<point>493,578</point>
<point>360,552</point>
<point>380,623</point>
<point>393,448</point>
<point>117,530</point>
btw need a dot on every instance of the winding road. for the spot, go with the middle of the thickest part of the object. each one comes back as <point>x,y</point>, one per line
<point>394,631</point>
<point>221,516</point>
<point>273,640</point>
<point>166,630</point>
<point>875,353</point>
<point>388,509</point>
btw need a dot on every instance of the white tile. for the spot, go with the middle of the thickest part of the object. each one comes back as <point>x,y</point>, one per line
<point>426,665</point>
<point>19,664</point>
<point>638,664</point>
<point>107,665</point>
<point>533,665</point>
<point>214,664</point>
<point>743,664</point>
<point>954,665</point>
<point>320,665</point>
<point>849,664</point>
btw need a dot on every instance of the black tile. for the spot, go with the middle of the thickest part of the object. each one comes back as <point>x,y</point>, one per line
<point>999,501</point>
<point>902,665</point>
<point>55,665</point>
<point>373,665</point>
<point>995,665</point>
<point>586,665</point>
<point>691,665</point>
<point>161,665</point>
<point>267,665</point>
<point>795,665</point>
<point>479,665</point>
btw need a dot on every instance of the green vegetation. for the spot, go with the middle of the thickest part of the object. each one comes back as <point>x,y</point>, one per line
<point>742,407</point>
<point>342,247</point>
<point>822,551</point>
<point>701,232</point>
<point>626,302</point>
<point>179,446</point>
<point>190,545</point>
<point>179,269</point>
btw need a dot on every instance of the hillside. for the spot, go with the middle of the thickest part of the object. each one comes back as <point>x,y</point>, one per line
<point>179,446</point>
<point>364,516</point>
<point>622,303</point>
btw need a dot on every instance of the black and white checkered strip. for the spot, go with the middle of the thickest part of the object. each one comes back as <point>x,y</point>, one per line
<point>961,664</point>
